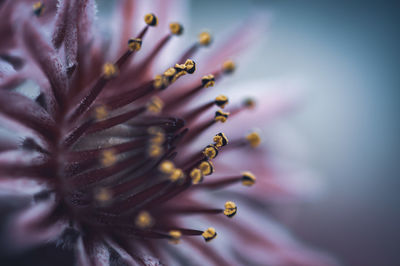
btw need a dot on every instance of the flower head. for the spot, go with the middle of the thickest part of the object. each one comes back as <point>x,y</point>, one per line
<point>108,144</point>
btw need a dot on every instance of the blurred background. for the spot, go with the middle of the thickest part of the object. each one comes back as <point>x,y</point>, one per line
<point>346,53</point>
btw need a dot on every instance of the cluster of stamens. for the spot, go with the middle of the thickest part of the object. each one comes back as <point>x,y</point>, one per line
<point>121,185</point>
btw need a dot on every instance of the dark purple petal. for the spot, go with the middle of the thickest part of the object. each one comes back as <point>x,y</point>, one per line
<point>26,112</point>
<point>47,59</point>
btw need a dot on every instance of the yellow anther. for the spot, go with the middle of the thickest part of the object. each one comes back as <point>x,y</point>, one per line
<point>110,70</point>
<point>206,167</point>
<point>166,167</point>
<point>157,135</point>
<point>158,139</point>
<point>210,151</point>
<point>38,8</point>
<point>173,73</point>
<point>175,236</point>
<point>170,72</point>
<point>155,150</point>
<point>155,130</point>
<point>248,179</point>
<point>178,75</point>
<point>253,139</point>
<point>204,38</point>
<point>230,209</point>
<point>151,19</point>
<point>180,67</point>
<point>196,175</point>
<point>101,112</point>
<point>176,28</point>
<point>135,44</point>
<point>221,101</point>
<point>160,82</point>
<point>208,81</point>
<point>155,105</point>
<point>108,158</point>
<point>220,140</point>
<point>209,234</point>
<point>144,220</point>
<point>102,195</point>
<point>190,66</point>
<point>176,175</point>
<point>249,103</point>
<point>221,116</point>
<point>228,66</point>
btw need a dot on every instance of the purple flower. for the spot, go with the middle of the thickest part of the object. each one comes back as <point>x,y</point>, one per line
<point>110,160</point>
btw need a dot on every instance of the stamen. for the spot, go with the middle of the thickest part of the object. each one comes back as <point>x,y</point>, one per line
<point>228,67</point>
<point>221,116</point>
<point>193,114</point>
<point>102,196</point>
<point>210,151</point>
<point>115,120</point>
<point>38,8</point>
<point>248,179</point>
<point>168,168</point>
<point>221,101</point>
<point>220,140</point>
<point>196,175</point>
<point>161,82</point>
<point>187,96</point>
<point>209,234</point>
<point>246,104</point>
<point>249,103</point>
<point>253,139</point>
<point>176,28</point>
<point>151,19</point>
<point>175,236</point>
<point>110,70</point>
<point>108,158</point>
<point>190,66</point>
<point>177,175</point>
<point>206,167</point>
<point>77,133</point>
<point>155,151</point>
<point>208,81</point>
<point>190,211</point>
<point>205,38</point>
<point>198,130</point>
<point>97,175</point>
<point>230,209</point>
<point>155,105</point>
<point>101,112</point>
<point>85,155</point>
<point>144,220</point>
<point>123,99</point>
<point>135,44</point>
<point>157,135</point>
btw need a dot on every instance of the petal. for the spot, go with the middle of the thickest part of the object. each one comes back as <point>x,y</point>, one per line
<point>26,112</point>
<point>124,255</point>
<point>23,228</point>
<point>61,23</point>
<point>47,59</point>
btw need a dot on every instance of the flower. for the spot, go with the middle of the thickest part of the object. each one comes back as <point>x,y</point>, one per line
<point>108,153</point>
